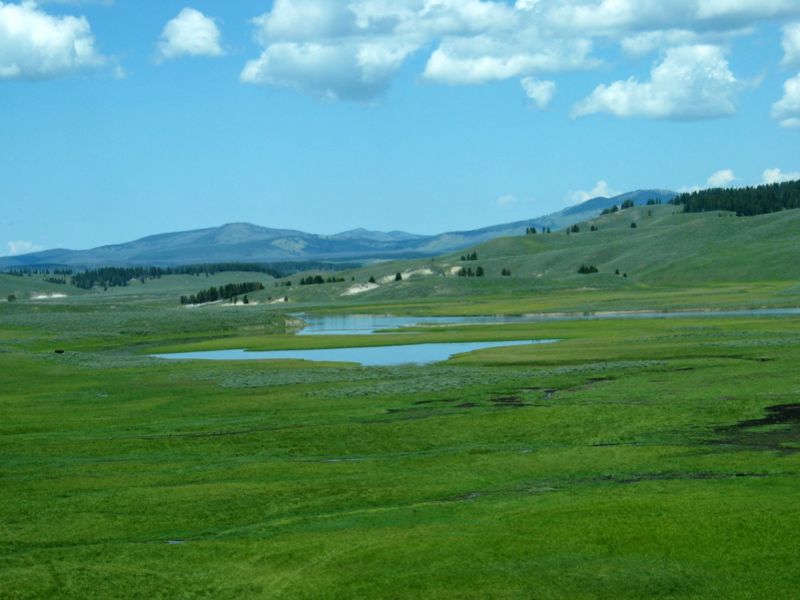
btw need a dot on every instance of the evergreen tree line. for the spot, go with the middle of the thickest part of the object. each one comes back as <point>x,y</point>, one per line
<point>114,276</point>
<point>745,202</point>
<point>223,292</point>
<point>629,204</point>
<point>318,279</point>
<point>120,276</point>
<point>470,256</point>
<point>624,206</point>
<point>40,270</point>
<point>532,230</point>
<point>23,271</point>
<point>587,269</point>
<point>462,272</point>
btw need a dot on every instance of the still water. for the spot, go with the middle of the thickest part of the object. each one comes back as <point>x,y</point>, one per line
<point>376,356</point>
<point>431,353</point>
<point>368,324</point>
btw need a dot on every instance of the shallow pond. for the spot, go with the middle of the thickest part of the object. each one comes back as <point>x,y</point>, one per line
<point>368,324</point>
<point>375,356</point>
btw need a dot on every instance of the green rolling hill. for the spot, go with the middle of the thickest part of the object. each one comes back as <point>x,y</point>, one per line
<point>668,248</point>
<point>245,242</point>
<point>664,248</point>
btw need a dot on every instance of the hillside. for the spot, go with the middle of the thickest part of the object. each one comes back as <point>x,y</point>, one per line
<point>668,248</point>
<point>747,201</point>
<point>244,242</point>
<point>665,248</point>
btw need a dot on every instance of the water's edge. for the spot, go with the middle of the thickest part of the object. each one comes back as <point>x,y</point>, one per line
<point>370,324</point>
<point>369,356</point>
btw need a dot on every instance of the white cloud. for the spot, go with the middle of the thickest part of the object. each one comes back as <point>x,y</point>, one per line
<point>791,45</point>
<point>305,21</point>
<point>483,60</point>
<point>354,48</point>
<point>330,49</point>
<point>350,72</point>
<point>778,176</point>
<point>643,43</point>
<point>787,109</point>
<point>723,13</point>
<point>615,16</point>
<point>540,92</point>
<point>601,189</point>
<point>640,44</point>
<point>721,179</point>
<point>191,33</point>
<point>691,82</point>
<point>507,200</point>
<point>37,45</point>
<point>22,247</point>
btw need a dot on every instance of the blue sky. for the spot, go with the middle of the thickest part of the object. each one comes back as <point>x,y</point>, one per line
<point>122,119</point>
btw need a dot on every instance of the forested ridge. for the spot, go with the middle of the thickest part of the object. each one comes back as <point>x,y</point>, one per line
<point>121,276</point>
<point>747,201</point>
<point>223,292</point>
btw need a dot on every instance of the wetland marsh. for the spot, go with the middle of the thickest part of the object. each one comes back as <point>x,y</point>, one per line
<point>636,458</point>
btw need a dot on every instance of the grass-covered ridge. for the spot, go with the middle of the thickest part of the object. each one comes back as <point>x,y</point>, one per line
<point>672,260</point>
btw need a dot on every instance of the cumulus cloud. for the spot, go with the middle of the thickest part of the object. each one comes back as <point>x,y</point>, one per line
<point>540,92</point>
<point>482,60</point>
<point>642,43</point>
<point>721,179</point>
<point>329,49</point>
<point>350,72</point>
<point>613,16</point>
<point>778,176</point>
<point>791,45</point>
<point>691,82</point>
<point>22,247</point>
<point>37,45</point>
<point>602,189</point>
<point>353,49</point>
<point>787,109</point>
<point>191,33</point>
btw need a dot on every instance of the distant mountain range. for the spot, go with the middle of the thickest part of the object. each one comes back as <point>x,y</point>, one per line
<point>244,242</point>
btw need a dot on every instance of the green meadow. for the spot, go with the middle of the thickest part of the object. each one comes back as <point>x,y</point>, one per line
<point>635,458</point>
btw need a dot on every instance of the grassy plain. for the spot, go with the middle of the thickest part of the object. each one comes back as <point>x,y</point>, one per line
<point>633,459</point>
